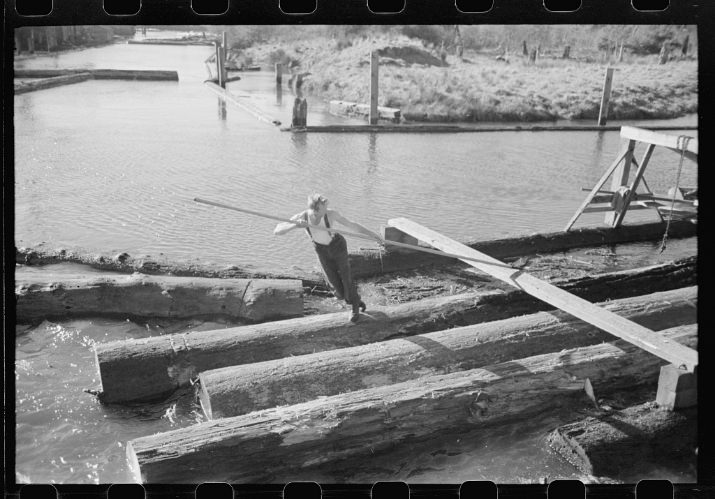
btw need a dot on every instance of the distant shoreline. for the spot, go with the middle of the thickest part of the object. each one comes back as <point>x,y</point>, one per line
<point>479,87</point>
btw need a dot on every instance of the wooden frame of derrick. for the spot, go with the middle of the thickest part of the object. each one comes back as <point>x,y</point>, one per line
<point>622,196</point>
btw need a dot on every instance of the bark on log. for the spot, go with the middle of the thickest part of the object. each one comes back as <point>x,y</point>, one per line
<point>353,424</point>
<point>236,390</point>
<point>626,442</point>
<point>55,81</point>
<point>367,263</point>
<point>152,367</point>
<point>101,74</point>
<point>140,295</point>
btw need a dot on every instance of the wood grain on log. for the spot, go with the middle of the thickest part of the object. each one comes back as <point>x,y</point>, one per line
<point>638,438</point>
<point>353,424</point>
<point>240,389</point>
<point>156,296</point>
<point>151,367</point>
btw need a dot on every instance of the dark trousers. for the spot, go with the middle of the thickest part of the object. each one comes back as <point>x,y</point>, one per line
<point>336,267</point>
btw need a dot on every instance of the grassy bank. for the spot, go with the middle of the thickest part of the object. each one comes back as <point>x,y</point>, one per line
<point>478,87</point>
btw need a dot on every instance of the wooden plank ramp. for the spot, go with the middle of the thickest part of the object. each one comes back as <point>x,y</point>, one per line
<point>638,335</point>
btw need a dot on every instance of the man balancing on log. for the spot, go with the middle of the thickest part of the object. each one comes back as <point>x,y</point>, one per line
<point>331,248</point>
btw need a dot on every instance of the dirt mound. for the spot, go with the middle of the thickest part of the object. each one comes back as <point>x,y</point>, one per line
<point>409,55</point>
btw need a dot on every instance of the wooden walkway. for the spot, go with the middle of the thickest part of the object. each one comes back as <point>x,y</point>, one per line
<point>627,330</point>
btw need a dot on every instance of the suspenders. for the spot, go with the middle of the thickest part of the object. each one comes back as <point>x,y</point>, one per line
<point>327,225</point>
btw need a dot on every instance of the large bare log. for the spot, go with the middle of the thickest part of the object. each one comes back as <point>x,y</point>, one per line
<point>629,441</point>
<point>151,367</point>
<point>370,262</point>
<point>243,448</point>
<point>156,296</point>
<point>235,390</point>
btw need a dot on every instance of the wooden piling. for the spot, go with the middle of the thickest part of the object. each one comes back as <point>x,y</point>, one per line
<point>279,83</point>
<point>605,97</point>
<point>220,66</point>
<point>374,64</point>
<point>279,75</point>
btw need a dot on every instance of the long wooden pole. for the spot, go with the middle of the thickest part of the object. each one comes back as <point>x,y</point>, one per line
<point>352,234</point>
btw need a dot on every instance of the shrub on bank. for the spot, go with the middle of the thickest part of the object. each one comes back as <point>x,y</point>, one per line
<point>482,88</point>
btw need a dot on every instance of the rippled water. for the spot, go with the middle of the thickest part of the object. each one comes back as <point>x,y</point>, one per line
<point>114,165</point>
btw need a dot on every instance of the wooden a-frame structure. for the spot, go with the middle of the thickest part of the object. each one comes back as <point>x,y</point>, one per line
<point>623,196</point>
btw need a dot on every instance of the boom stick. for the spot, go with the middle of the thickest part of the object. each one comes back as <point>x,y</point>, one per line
<point>348,233</point>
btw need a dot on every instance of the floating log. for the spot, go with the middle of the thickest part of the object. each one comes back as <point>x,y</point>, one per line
<point>365,263</point>
<point>363,110</point>
<point>243,104</point>
<point>629,441</point>
<point>57,81</point>
<point>152,367</point>
<point>140,295</point>
<point>348,425</point>
<point>466,128</point>
<point>100,74</point>
<point>240,389</point>
<point>371,262</point>
<point>169,42</point>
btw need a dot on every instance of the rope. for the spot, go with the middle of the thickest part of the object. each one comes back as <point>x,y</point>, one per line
<point>683,141</point>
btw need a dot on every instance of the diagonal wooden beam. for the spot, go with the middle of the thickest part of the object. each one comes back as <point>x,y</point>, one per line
<point>632,191</point>
<point>649,191</point>
<point>596,188</point>
<point>608,321</point>
<point>620,179</point>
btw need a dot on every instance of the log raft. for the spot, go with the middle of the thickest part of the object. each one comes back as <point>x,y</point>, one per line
<point>244,448</point>
<point>629,441</point>
<point>370,262</point>
<point>139,295</point>
<point>579,307</point>
<point>366,262</point>
<point>148,368</point>
<point>236,390</point>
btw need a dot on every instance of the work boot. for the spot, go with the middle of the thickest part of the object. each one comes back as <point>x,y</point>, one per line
<point>355,313</point>
<point>363,307</point>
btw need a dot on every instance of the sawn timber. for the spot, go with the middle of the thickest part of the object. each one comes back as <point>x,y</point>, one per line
<point>149,368</point>
<point>236,390</point>
<point>245,448</point>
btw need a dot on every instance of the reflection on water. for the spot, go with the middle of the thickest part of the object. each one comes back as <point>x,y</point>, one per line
<point>114,166</point>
